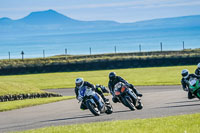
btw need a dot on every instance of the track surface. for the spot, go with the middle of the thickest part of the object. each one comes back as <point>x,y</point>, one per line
<point>158,101</point>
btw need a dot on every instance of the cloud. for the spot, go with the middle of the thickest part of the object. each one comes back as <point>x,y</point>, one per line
<point>128,4</point>
<point>139,4</point>
<point>166,3</point>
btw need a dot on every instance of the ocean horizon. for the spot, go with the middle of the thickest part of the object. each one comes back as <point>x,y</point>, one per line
<point>33,46</point>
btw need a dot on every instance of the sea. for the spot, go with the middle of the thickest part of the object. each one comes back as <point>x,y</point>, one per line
<point>46,45</point>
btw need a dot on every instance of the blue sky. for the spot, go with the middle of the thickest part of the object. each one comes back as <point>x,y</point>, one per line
<point>117,10</point>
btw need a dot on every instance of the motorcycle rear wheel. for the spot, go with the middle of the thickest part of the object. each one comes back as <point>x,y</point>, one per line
<point>140,106</point>
<point>109,109</point>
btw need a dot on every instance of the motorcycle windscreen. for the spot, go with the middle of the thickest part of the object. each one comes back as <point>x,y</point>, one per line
<point>82,91</point>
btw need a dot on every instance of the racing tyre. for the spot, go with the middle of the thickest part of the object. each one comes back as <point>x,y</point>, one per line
<point>140,106</point>
<point>198,94</point>
<point>109,109</point>
<point>129,103</point>
<point>92,108</point>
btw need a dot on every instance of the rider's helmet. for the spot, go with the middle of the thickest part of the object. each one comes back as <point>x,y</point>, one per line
<point>185,73</point>
<point>198,65</point>
<point>79,82</point>
<point>112,75</point>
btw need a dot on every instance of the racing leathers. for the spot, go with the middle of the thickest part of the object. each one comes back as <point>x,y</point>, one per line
<point>113,82</point>
<point>197,71</point>
<point>87,84</point>
<point>185,84</point>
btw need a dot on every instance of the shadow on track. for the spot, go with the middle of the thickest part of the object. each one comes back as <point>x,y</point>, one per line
<point>71,118</point>
<point>183,102</point>
<point>122,111</point>
<point>84,116</point>
<point>178,106</point>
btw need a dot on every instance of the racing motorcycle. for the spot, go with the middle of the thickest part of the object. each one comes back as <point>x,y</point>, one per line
<point>194,87</point>
<point>94,102</point>
<point>127,97</point>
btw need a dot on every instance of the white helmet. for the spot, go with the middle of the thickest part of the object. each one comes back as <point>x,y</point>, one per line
<point>185,73</point>
<point>198,65</point>
<point>79,82</point>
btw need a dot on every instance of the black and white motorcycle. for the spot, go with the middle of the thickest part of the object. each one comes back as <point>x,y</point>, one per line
<point>94,102</point>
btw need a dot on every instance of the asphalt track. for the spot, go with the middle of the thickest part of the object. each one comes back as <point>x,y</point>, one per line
<point>159,101</point>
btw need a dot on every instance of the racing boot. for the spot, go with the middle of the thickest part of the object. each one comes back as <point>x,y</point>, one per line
<point>136,92</point>
<point>104,90</point>
<point>190,95</point>
<point>104,99</point>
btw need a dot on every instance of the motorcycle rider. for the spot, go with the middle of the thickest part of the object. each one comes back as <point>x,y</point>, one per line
<point>185,81</point>
<point>101,88</point>
<point>80,83</point>
<point>113,80</point>
<point>197,71</point>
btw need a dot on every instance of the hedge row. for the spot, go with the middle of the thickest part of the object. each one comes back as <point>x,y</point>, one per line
<point>102,65</point>
<point>27,96</point>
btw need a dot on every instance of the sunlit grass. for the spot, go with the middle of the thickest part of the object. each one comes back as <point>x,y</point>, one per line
<point>136,76</point>
<point>12,87</point>
<point>10,105</point>
<point>172,124</point>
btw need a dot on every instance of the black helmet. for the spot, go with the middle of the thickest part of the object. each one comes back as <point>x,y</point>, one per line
<point>112,75</point>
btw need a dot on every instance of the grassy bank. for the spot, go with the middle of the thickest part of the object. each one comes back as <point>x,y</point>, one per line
<point>10,105</point>
<point>12,87</point>
<point>172,124</point>
<point>96,57</point>
<point>136,76</point>
<point>69,63</point>
<point>19,84</point>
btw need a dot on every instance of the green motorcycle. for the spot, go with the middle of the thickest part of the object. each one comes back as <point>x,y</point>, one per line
<point>194,87</point>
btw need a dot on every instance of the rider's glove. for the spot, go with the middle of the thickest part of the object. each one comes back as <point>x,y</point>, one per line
<point>80,99</point>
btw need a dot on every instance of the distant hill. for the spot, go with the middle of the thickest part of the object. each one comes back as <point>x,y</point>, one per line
<point>45,18</point>
<point>51,21</point>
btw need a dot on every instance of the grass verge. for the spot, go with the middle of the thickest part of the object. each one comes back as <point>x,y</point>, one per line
<point>12,87</point>
<point>10,105</point>
<point>172,124</point>
<point>137,76</point>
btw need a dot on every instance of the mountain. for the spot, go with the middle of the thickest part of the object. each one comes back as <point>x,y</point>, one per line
<point>45,18</point>
<point>5,20</point>
<point>176,22</point>
<point>51,21</point>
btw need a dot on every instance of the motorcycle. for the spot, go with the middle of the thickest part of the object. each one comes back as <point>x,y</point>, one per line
<point>94,102</point>
<point>194,87</point>
<point>127,97</point>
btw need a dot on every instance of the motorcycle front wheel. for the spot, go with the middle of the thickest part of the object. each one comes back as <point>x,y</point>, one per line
<point>198,94</point>
<point>92,108</point>
<point>128,102</point>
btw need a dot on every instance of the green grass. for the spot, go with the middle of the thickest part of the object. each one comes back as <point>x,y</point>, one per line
<point>13,87</point>
<point>18,84</point>
<point>172,124</point>
<point>136,76</point>
<point>10,105</point>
